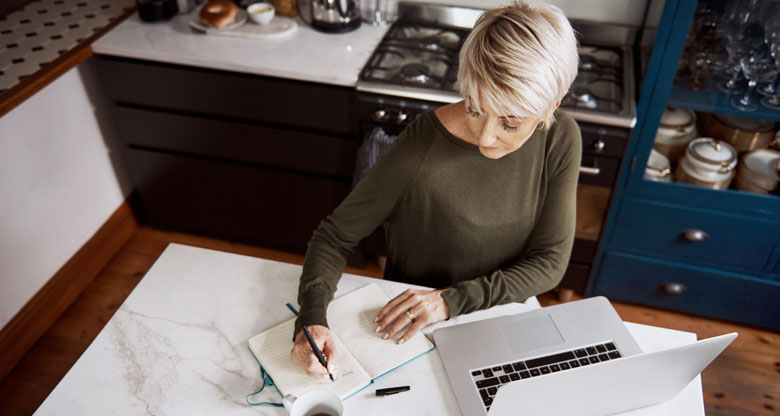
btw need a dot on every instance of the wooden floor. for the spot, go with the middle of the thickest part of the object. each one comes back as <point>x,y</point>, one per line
<point>744,380</point>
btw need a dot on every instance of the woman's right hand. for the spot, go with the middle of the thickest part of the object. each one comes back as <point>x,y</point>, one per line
<point>303,356</point>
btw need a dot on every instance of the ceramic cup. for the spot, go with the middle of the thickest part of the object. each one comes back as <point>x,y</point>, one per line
<point>262,13</point>
<point>314,403</point>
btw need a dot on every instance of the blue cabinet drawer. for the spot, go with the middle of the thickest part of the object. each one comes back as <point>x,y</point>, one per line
<point>695,290</point>
<point>694,236</point>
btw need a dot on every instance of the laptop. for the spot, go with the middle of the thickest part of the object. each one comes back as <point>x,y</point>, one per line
<point>573,358</point>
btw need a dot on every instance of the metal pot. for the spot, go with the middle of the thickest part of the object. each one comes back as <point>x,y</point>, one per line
<point>333,16</point>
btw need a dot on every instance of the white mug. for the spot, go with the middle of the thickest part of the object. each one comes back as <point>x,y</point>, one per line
<point>314,402</point>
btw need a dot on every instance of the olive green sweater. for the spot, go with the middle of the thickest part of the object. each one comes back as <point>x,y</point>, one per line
<point>492,231</point>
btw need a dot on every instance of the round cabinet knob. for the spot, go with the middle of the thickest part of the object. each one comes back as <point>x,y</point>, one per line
<point>599,145</point>
<point>673,288</point>
<point>380,114</point>
<point>694,235</point>
<point>401,117</point>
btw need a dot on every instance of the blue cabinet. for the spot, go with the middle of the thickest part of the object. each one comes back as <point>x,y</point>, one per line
<point>683,287</point>
<point>681,246</point>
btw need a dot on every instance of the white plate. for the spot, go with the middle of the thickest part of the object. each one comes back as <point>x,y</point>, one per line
<point>194,21</point>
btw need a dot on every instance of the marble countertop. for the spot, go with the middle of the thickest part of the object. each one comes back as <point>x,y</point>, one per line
<point>305,55</point>
<point>178,346</point>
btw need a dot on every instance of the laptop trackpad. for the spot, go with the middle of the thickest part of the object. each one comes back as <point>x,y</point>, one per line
<point>531,333</point>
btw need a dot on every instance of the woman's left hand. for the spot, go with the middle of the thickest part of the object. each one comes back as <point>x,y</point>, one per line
<point>413,308</point>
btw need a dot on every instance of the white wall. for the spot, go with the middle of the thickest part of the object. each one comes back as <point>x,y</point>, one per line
<point>614,11</point>
<point>57,186</point>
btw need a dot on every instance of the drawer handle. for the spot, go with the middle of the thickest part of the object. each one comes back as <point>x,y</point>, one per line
<point>694,235</point>
<point>591,171</point>
<point>673,288</point>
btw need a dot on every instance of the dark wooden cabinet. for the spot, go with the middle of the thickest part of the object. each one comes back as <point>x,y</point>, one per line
<point>247,158</point>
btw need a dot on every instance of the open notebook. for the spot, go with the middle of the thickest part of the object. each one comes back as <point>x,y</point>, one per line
<point>364,355</point>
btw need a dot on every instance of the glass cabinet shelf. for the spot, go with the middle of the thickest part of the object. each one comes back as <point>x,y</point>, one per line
<point>716,102</point>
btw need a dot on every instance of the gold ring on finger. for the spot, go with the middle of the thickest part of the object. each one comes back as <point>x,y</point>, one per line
<point>411,315</point>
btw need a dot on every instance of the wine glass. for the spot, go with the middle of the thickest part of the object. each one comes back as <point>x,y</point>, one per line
<point>772,100</point>
<point>771,22</point>
<point>757,68</point>
<point>702,65</point>
<point>733,70</point>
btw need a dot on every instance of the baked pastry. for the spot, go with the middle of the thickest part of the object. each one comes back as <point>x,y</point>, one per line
<point>218,13</point>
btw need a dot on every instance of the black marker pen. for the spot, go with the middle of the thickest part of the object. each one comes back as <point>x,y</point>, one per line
<point>391,390</point>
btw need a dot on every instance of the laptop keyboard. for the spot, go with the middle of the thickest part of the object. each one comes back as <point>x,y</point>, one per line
<point>489,379</point>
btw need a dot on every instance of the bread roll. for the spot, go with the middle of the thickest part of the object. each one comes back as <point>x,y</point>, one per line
<point>218,13</point>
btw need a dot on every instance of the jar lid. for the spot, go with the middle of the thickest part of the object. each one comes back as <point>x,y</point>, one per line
<point>746,123</point>
<point>677,117</point>
<point>711,151</point>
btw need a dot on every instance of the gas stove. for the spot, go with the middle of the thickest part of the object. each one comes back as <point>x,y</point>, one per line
<point>418,59</point>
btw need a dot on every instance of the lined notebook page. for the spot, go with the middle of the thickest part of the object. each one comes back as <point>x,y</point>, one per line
<point>272,348</point>
<point>352,317</point>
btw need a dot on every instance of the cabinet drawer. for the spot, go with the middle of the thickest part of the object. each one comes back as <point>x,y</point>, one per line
<point>229,94</point>
<point>603,140</point>
<point>240,203</point>
<point>702,291</point>
<point>660,231</point>
<point>244,142</point>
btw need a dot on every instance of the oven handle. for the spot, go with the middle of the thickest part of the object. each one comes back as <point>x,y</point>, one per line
<point>590,170</point>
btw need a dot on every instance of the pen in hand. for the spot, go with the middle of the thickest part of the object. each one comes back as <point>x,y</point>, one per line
<point>317,351</point>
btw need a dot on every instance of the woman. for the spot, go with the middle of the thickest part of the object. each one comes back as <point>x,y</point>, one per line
<point>477,198</point>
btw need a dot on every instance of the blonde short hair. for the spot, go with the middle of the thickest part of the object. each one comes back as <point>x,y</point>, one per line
<point>519,60</point>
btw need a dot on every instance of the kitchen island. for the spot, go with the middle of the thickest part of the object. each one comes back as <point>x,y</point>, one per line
<point>178,346</point>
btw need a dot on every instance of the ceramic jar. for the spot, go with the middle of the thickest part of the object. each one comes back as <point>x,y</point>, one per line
<point>707,162</point>
<point>677,128</point>
<point>658,167</point>
<point>759,171</point>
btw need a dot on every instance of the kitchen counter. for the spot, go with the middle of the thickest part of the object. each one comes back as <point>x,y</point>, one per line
<point>178,346</point>
<point>305,55</point>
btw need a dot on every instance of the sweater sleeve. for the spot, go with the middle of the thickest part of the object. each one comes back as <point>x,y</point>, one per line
<point>549,245</point>
<point>361,212</point>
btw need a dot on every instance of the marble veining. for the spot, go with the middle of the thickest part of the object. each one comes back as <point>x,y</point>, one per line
<point>306,55</point>
<point>178,346</point>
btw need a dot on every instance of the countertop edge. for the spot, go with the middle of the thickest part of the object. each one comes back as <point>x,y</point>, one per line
<point>28,87</point>
<point>245,69</point>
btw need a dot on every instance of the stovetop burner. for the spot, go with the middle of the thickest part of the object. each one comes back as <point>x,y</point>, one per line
<point>599,82</point>
<point>583,96</point>
<point>418,56</point>
<point>419,59</point>
<point>415,73</point>
<point>430,42</point>
<point>428,38</point>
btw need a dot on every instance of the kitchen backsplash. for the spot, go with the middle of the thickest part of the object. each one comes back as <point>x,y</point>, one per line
<point>613,11</point>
